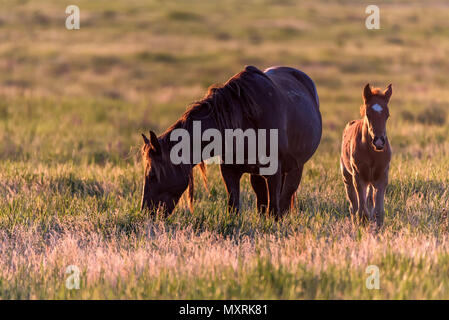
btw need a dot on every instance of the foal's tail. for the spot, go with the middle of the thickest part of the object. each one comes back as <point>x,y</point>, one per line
<point>191,186</point>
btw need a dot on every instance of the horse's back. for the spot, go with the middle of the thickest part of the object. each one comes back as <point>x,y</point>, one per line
<point>300,105</point>
<point>351,129</point>
<point>350,134</point>
<point>300,76</point>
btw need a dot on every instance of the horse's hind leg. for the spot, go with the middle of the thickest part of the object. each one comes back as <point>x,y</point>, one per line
<point>351,194</point>
<point>274,183</point>
<point>379,196</point>
<point>291,184</point>
<point>259,185</point>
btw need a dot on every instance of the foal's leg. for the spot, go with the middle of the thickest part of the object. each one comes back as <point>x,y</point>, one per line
<point>360,187</point>
<point>291,184</point>
<point>259,185</point>
<point>370,201</point>
<point>379,195</point>
<point>231,178</point>
<point>351,194</point>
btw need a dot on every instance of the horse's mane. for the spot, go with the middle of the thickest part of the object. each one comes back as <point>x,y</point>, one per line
<point>228,104</point>
<point>377,92</point>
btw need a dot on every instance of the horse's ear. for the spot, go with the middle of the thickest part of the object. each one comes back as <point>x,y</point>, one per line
<point>367,94</point>
<point>388,92</point>
<point>145,139</point>
<point>154,142</point>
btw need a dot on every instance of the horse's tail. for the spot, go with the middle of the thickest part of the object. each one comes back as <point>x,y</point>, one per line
<point>191,185</point>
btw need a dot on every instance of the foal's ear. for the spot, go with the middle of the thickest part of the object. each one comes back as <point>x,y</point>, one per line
<point>388,92</point>
<point>154,142</point>
<point>145,139</point>
<point>367,94</point>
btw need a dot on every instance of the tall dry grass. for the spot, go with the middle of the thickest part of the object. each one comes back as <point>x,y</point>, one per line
<point>73,104</point>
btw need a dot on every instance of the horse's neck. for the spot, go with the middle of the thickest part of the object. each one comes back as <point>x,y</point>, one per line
<point>196,129</point>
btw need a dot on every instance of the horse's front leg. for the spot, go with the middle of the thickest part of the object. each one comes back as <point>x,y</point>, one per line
<point>259,185</point>
<point>274,183</point>
<point>379,195</point>
<point>360,187</point>
<point>231,178</point>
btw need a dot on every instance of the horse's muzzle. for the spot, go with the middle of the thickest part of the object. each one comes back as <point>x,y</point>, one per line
<point>379,143</point>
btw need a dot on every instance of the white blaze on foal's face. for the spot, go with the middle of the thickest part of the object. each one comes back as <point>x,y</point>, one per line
<point>377,116</point>
<point>377,108</point>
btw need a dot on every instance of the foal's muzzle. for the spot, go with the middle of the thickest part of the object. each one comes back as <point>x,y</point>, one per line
<point>379,142</point>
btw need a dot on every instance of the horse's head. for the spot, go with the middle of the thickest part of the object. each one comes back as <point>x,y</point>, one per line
<point>164,183</point>
<point>375,112</point>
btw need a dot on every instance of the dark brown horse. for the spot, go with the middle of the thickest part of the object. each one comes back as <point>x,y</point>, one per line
<point>365,157</point>
<point>281,100</point>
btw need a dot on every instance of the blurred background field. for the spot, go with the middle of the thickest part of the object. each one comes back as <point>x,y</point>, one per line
<point>73,105</point>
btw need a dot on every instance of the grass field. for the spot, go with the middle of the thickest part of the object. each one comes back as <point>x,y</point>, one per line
<point>73,105</point>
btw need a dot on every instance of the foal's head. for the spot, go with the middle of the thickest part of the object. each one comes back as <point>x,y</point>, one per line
<point>163,183</point>
<point>375,112</point>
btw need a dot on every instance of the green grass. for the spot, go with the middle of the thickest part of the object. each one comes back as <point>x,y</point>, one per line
<point>73,105</point>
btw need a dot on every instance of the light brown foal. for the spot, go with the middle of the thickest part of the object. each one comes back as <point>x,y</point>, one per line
<point>365,157</point>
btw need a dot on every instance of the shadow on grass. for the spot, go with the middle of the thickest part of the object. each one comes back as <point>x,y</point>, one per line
<point>76,186</point>
<point>400,190</point>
